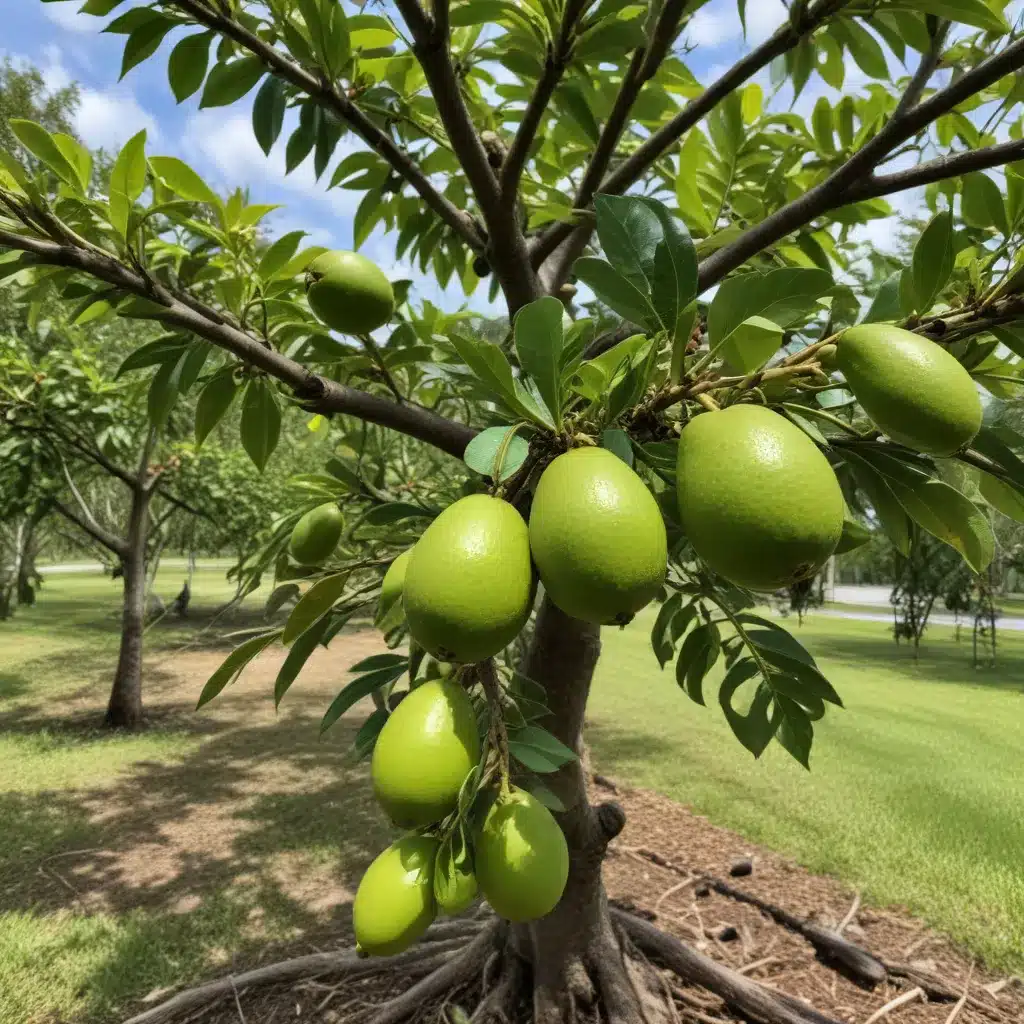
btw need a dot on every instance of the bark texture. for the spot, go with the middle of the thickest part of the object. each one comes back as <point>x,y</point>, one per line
<point>124,710</point>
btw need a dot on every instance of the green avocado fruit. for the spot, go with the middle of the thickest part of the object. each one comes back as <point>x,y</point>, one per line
<point>455,887</point>
<point>391,588</point>
<point>349,293</point>
<point>316,534</point>
<point>424,752</point>
<point>394,904</point>
<point>522,861</point>
<point>597,537</point>
<point>912,389</point>
<point>757,499</point>
<point>469,580</point>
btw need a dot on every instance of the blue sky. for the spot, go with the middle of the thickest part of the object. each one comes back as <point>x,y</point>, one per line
<point>69,47</point>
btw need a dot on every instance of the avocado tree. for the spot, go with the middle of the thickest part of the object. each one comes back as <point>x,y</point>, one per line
<point>81,447</point>
<point>698,456</point>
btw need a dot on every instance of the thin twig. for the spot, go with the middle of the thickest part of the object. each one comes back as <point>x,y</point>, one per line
<point>894,1004</point>
<point>850,915</point>
<point>962,1001</point>
<point>238,1002</point>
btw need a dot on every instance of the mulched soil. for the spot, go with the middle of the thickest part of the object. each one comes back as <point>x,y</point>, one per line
<point>760,948</point>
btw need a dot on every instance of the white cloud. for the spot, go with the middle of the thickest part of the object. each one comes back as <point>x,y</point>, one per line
<point>711,27</point>
<point>763,18</point>
<point>67,17</point>
<point>109,119</point>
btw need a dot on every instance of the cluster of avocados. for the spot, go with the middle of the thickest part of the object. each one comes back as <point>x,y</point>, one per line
<point>758,502</point>
<point>467,587</point>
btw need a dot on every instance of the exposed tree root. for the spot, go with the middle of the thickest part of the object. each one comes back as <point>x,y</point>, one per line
<point>455,973</point>
<point>747,997</point>
<point>852,959</point>
<point>441,943</point>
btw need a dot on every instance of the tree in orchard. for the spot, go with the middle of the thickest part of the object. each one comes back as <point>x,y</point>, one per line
<point>697,459</point>
<point>93,452</point>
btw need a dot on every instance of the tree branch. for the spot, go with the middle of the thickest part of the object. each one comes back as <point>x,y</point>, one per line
<point>636,164</point>
<point>940,169</point>
<point>507,252</point>
<point>328,96</point>
<point>834,190</point>
<point>558,57</point>
<point>93,529</point>
<point>316,392</point>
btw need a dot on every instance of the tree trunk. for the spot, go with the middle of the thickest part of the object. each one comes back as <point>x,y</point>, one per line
<point>574,952</point>
<point>27,577</point>
<point>124,711</point>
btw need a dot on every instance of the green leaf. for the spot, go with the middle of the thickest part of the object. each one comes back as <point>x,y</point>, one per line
<point>752,344</point>
<point>378,661</point>
<point>187,64</point>
<point>692,156</point>
<point>182,180</point>
<point>796,731</point>
<point>231,81</point>
<point>268,113</point>
<point>697,656</point>
<point>1002,497</point>
<point>164,391</point>
<point>144,41</point>
<point>855,535</point>
<point>127,182</point>
<point>661,636</point>
<point>538,341</point>
<point>277,257</point>
<point>193,363</point>
<point>395,512</point>
<point>38,141</point>
<point>967,12</point>
<point>617,442</point>
<point>648,247</point>
<point>261,422</point>
<point>232,667</point>
<point>782,296</point>
<point>951,517</point>
<point>538,750</point>
<point>168,348</point>
<point>482,451</point>
<point>313,604</point>
<point>889,511</point>
<point>615,291</point>
<point>356,691</point>
<point>491,368</point>
<point>981,203</point>
<point>366,738</point>
<point>304,646</point>
<point>214,401</point>
<point>933,261</point>
<point>886,306</point>
<point>756,728</point>
<point>864,48</point>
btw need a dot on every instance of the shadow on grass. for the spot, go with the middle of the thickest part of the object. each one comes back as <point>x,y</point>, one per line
<point>940,659</point>
<point>206,854</point>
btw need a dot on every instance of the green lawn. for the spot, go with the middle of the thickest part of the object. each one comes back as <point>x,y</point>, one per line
<point>916,793</point>
<point>132,863</point>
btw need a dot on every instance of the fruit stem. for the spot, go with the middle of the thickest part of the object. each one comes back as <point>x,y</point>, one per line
<point>499,734</point>
<point>709,403</point>
<point>822,415</point>
<point>375,354</point>
<point>499,455</point>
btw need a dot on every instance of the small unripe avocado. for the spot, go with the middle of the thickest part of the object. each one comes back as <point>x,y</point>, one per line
<point>394,904</point>
<point>911,388</point>
<point>316,534</point>
<point>455,887</point>
<point>597,537</point>
<point>757,499</point>
<point>348,292</point>
<point>469,580</point>
<point>391,588</point>
<point>522,861</point>
<point>424,753</point>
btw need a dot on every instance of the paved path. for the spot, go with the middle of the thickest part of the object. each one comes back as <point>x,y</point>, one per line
<point>935,619</point>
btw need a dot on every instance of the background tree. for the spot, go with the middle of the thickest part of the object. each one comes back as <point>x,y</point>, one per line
<point>514,179</point>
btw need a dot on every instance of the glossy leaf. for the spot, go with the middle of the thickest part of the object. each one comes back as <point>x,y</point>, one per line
<point>538,341</point>
<point>233,665</point>
<point>482,452</point>
<point>261,421</point>
<point>314,603</point>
